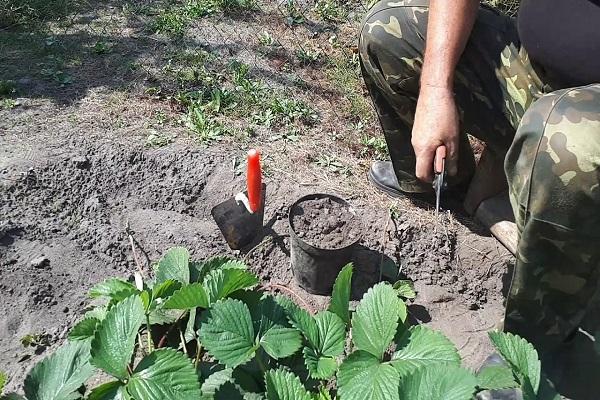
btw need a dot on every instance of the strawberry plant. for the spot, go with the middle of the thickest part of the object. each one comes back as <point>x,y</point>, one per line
<point>204,330</point>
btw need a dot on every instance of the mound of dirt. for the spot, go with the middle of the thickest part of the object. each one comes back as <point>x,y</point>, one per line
<point>325,224</point>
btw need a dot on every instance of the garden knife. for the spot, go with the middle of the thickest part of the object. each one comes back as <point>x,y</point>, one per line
<point>439,168</point>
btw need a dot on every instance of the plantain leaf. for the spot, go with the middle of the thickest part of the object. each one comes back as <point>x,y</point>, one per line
<point>174,265</point>
<point>220,283</point>
<point>522,358</point>
<point>421,346</point>
<point>164,374</point>
<point>189,296</point>
<point>340,297</point>
<point>84,329</point>
<point>61,374</point>
<point>438,382</point>
<point>112,346</point>
<point>228,333</point>
<point>362,376</point>
<point>376,318</point>
<point>284,385</point>
<point>495,377</point>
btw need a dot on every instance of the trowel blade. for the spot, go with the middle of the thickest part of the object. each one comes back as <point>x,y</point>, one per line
<point>237,224</point>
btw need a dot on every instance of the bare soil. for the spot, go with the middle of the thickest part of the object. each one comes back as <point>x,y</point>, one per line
<point>77,174</point>
<point>325,224</point>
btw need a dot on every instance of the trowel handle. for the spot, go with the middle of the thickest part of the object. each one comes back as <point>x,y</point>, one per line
<point>254,180</point>
<point>440,157</point>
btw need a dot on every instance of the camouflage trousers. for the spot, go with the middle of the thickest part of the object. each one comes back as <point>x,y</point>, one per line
<point>550,136</point>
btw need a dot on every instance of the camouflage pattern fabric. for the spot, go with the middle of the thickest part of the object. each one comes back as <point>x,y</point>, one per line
<point>552,161</point>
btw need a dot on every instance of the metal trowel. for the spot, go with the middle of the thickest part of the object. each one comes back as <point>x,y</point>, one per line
<point>240,218</point>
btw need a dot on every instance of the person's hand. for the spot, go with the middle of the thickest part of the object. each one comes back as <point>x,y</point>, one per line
<point>436,124</point>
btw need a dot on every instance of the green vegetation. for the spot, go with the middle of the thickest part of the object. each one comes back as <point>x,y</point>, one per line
<point>30,12</point>
<point>175,20</point>
<point>204,330</point>
<point>343,71</point>
<point>331,10</point>
<point>333,164</point>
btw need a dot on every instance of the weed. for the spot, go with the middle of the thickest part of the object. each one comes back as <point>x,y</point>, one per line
<point>344,72</point>
<point>7,88</point>
<point>171,22</point>
<point>333,164</point>
<point>156,139</point>
<point>35,340</point>
<point>8,104</point>
<point>267,40</point>
<point>330,10</point>
<point>102,47</point>
<point>31,12</point>
<point>53,69</point>
<point>376,145</point>
<point>252,337</point>
<point>291,136</point>
<point>206,128</point>
<point>307,55</point>
<point>294,15</point>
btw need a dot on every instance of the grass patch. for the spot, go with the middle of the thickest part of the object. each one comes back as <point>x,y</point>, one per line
<point>31,12</point>
<point>344,73</point>
<point>174,21</point>
<point>331,10</point>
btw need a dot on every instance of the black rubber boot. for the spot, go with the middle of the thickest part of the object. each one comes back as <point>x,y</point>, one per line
<point>383,177</point>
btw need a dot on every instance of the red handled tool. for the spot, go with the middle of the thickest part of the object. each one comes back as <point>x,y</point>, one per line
<point>439,168</point>
<point>254,180</point>
<point>240,218</point>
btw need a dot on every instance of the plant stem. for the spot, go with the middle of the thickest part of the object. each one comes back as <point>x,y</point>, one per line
<point>183,342</point>
<point>163,339</point>
<point>148,329</point>
<point>260,362</point>
<point>198,352</point>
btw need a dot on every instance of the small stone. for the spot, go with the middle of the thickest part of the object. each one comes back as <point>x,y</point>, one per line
<point>40,262</point>
<point>81,162</point>
<point>66,309</point>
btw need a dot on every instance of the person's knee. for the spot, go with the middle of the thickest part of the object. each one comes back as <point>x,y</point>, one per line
<point>391,37</point>
<point>555,157</point>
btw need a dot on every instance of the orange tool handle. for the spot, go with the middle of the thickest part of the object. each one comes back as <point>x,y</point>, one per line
<point>254,180</point>
<point>440,156</point>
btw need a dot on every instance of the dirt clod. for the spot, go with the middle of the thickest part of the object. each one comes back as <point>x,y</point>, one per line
<point>325,223</point>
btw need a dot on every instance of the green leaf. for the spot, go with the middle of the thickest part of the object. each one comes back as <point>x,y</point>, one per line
<point>405,289</point>
<point>362,376</point>
<point>217,379</point>
<point>438,382</point>
<point>495,377</point>
<point>114,390</point>
<point>165,289</point>
<point>228,333</point>
<point>114,289</point>
<point>3,380</point>
<point>61,374</point>
<point>301,320</point>
<point>190,296</point>
<point>112,346</point>
<point>190,327</point>
<point>84,329</point>
<point>421,346</point>
<point>164,374</point>
<point>319,367</point>
<point>375,320</point>
<point>220,283</point>
<point>340,297</point>
<point>199,270</point>
<point>521,356</point>
<point>280,342</point>
<point>174,265</point>
<point>284,385</point>
<point>332,334</point>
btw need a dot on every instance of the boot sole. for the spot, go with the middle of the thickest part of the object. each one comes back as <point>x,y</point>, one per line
<point>395,193</point>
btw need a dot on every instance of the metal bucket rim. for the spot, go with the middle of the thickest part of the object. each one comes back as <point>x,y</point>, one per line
<point>314,196</point>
